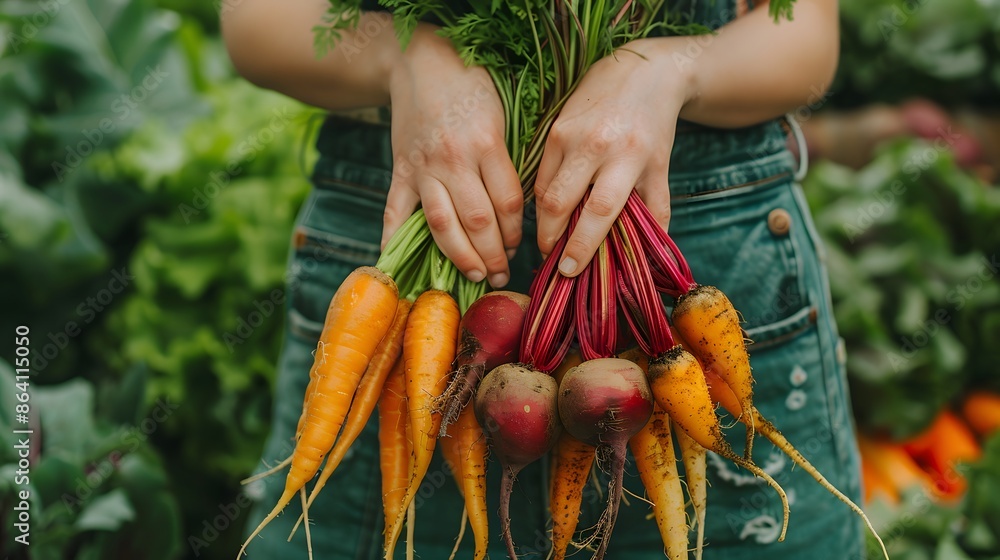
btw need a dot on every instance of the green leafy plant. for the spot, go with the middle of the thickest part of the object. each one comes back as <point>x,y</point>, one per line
<point>97,489</point>
<point>894,49</point>
<point>913,251</point>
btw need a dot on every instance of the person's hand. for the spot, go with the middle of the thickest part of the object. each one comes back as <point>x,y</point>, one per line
<point>449,156</point>
<point>615,134</point>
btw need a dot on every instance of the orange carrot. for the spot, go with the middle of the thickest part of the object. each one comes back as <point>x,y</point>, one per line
<point>428,349</point>
<point>366,397</point>
<point>679,387</point>
<point>696,476</point>
<point>695,464</point>
<point>653,449</point>
<point>710,325</point>
<point>452,456</point>
<point>359,316</point>
<point>470,442</point>
<point>573,460</point>
<point>981,410</point>
<point>940,448</point>
<point>394,443</point>
<point>569,471</point>
<point>572,359</point>
<point>694,468</point>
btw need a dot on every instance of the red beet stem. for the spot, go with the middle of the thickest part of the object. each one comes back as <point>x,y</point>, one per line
<point>637,292</point>
<point>669,268</point>
<point>549,329</point>
<point>595,309</point>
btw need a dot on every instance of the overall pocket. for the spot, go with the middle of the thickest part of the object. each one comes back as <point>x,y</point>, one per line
<point>741,243</point>
<point>338,230</point>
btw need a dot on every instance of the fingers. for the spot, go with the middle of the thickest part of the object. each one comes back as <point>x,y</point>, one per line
<point>547,169</point>
<point>446,227</point>
<point>400,203</point>
<point>556,199</point>
<point>504,188</point>
<point>654,191</point>
<point>480,223</point>
<point>611,189</point>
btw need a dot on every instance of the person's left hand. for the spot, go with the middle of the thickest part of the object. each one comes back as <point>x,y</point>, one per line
<point>615,134</point>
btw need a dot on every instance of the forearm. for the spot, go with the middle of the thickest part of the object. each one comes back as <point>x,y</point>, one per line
<point>271,44</point>
<point>752,69</point>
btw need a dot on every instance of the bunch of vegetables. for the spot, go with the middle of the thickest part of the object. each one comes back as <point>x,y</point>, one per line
<point>377,347</point>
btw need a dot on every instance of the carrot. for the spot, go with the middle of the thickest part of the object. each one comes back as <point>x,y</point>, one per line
<point>940,448</point>
<point>653,449</point>
<point>448,444</point>
<point>981,410</point>
<point>710,325</point>
<point>360,314</point>
<point>365,398</point>
<point>696,476</point>
<point>470,443</point>
<point>572,463</point>
<point>679,387</point>
<point>571,360</point>
<point>394,443</point>
<point>891,470</point>
<point>569,471</point>
<point>721,393</point>
<point>428,349</point>
<point>695,466</point>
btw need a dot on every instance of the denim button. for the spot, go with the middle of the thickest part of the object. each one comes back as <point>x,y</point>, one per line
<point>779,221</point>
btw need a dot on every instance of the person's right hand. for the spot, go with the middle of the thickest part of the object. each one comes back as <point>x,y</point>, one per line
<point>449,156</point>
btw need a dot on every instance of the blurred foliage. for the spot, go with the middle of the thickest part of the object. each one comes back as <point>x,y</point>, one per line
<point>922,529</point>
<point>895,49</point>
<point>147,196</point>
<point>913,251</point>
<point>98,490</point>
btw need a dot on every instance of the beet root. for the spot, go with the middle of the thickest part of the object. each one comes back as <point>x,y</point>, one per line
<point>516,406</point>
<point>604,402</point>
<point>490,335</point>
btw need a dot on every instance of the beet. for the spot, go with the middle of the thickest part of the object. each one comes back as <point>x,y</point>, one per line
<point>516,406</point>
<point>604,402</point>
<point>489,336</point>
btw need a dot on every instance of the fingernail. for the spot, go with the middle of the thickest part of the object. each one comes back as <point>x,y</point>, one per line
<point>511,253</point>
<point>567,266</point>
<point>499,280</point>
<point>475,275</point>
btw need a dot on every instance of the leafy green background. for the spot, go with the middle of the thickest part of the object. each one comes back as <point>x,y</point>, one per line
<point>149,418</point>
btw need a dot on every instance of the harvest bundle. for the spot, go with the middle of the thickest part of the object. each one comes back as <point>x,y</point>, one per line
<point>425,358</point>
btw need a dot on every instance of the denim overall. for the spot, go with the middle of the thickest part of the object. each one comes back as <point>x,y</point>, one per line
<point>741,221</point>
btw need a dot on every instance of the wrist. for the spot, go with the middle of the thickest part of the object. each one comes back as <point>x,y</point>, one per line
<point>425,44</point>
<point>674,62</point>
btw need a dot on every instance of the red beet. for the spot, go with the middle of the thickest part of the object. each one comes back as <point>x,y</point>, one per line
<point>517,408</point>
<point>604,402</point>
<point>490,335</point>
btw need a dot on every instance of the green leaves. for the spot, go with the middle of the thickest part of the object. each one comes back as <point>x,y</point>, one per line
<point>944,50</point>
<point>106,513</point>
<point>910,239</point>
